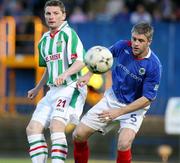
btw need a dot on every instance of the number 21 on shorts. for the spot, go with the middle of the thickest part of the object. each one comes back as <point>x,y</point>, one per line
<point>62,103</point>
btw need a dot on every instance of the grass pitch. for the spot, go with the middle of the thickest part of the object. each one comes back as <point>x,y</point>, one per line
<point>20,160</point>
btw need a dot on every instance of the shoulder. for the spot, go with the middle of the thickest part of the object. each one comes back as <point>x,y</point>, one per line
<point>69,33</point>
<point>154,64</point>
<point>121,44</point>
<point>154,58</point>
<point>46,34</point>
<point>68,30</point>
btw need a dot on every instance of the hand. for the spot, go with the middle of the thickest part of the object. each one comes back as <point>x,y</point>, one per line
<point>32,93</point>
<point>60,79</point>
<point>109,115</point>
<point>83,80</point>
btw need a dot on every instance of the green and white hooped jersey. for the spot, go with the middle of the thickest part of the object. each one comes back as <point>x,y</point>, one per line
<point>58,53</point>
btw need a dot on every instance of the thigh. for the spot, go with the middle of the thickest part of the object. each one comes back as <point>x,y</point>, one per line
<point>91,119</point>
<point>76,106</point>
<point>132,120</point>
<point>42,112</point>
<point>60,101</point>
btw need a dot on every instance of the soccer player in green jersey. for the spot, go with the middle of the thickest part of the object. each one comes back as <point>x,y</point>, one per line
<point>61,53</point>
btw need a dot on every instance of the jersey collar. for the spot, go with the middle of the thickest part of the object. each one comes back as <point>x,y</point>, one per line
<point>63,25</point>
<point>147,56</point>
<point>59,29</point>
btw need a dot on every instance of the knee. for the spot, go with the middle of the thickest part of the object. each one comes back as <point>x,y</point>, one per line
<point>77,136</point>
<point>124,145</point>
<point>34,128</point>
<point>30,130</point>
<point>82,132</point>
<point>57,126</point>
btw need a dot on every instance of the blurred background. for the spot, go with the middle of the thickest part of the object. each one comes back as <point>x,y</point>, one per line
<point>100,22</point>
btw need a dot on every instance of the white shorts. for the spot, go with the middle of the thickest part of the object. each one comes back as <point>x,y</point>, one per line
<point>64,103</point>
<point>131,120</point>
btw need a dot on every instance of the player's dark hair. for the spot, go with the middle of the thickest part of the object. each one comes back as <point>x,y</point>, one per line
<point>55,3</point>
<point>143,28</point>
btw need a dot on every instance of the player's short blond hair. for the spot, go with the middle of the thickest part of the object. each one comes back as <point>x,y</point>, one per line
<point>143,28</point>
<point>58,3</point>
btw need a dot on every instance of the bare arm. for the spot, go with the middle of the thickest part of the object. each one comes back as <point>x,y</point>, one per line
<point>33,92</point>
<point>75,67</point>
<point>83,80</point>
<point>136,105</point>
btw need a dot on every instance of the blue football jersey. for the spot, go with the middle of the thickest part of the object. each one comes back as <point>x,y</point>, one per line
<point>133,78</point>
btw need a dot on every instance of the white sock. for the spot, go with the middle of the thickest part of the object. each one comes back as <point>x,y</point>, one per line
<point>59,147</point>
<point>38,148</point>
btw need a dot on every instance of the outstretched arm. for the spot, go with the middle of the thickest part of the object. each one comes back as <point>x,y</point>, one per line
<point>111,114</point>
<point>33,92</point>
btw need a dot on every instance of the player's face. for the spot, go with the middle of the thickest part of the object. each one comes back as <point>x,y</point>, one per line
<point>140,45</point>
<point>54,17</point>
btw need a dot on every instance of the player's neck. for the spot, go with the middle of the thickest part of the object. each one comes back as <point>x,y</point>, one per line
<point>53,32</point>
<point>143,55</point>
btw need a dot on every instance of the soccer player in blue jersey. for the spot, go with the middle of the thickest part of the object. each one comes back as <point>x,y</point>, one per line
<point>136,75</point>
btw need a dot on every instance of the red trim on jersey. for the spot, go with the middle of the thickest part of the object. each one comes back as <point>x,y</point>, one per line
<point>53,34</point>
<point>73,56</point>
<point>43,146</point>
<point>129,43</point>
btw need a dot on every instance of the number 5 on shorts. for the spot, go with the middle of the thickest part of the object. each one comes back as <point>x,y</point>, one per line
<point>133,118</point>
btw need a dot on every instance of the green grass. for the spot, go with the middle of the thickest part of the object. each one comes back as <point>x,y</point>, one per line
<point>19,160</point>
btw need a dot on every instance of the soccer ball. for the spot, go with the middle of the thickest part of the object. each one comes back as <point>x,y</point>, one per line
<point>98,59</point>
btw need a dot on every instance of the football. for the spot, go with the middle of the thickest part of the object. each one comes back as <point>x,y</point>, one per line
<point>98,59</point>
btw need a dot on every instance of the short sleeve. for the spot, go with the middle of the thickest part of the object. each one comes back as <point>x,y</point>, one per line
<point>75,50</point>
<point>42,62</point>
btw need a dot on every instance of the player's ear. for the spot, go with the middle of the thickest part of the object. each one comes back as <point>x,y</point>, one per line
<point>64,16</point>
<point>149,42</point>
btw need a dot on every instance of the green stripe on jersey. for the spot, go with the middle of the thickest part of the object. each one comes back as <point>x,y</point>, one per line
<point>41,45</point>
<point>59,49</point>
<point>60,67</point>
<point>50,51</point>
<point>59,43</point>
<point>74,51</point>
<point>74,98</point>
<point>51,74</point>
<point>74,42</point>
<point>65,36</point>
